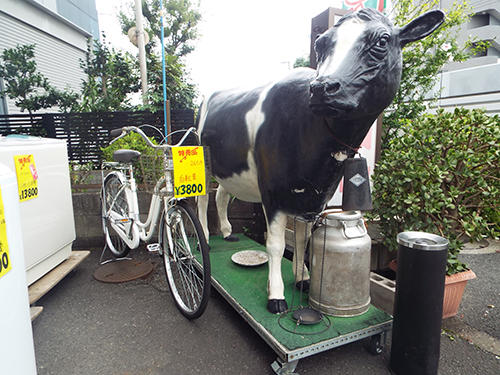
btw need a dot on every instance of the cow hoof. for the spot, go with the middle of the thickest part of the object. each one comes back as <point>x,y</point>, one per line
<point>277,306</point>
<point>231,238</point>
<point>304,284</point>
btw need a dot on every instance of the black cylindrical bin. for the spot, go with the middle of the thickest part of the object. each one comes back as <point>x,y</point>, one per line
<point>418,304</point>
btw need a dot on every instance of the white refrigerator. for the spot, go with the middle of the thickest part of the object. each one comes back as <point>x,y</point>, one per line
<point>17,353</point>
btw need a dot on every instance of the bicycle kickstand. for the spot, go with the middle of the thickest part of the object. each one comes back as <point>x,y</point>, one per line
<point>102,262</point>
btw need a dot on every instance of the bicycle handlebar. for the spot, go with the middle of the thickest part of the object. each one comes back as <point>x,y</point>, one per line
<point>127,129</point>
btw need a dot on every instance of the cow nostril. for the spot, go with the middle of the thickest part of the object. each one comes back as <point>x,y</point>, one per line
<point>332,88</point>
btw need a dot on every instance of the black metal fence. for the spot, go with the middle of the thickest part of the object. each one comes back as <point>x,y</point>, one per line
<point>87,133</point>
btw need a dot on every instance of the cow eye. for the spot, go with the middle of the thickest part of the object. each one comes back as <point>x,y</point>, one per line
<point>379,49</point>
<point>382,42</point>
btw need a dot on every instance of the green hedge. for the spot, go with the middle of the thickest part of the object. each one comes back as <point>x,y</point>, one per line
<point>441,175</point>
<point>151,167</point>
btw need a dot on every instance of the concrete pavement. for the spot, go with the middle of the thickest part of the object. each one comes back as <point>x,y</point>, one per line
<point>92,328</point>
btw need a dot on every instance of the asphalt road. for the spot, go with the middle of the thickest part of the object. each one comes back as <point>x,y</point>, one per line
<point>92,328</point>
<point>480,306</point>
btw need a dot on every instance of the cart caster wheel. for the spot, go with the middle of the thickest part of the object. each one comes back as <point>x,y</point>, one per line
<point>284,368</point>
<point>374,345</point>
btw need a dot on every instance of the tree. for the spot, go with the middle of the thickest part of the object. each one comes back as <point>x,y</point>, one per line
<point>423,60</point>
<point>180,92</point>
<point>111,77</point>
<point>29,88</point>
<point>180,30</point>
<point>180,22</point>
<point>301,62</point>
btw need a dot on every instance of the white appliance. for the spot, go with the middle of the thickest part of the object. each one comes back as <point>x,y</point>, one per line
<point>17,353</point>
<point>47,222</point>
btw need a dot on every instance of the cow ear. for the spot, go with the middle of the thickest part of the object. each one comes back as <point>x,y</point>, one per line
<point>420,27</point>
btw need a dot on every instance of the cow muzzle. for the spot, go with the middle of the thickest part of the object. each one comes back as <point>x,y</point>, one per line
<point>328,98</point>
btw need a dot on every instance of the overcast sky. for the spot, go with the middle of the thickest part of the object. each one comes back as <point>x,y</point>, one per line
<point>242,43</point>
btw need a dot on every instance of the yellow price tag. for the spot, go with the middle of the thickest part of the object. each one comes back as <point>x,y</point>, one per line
<point>5,265</point>
<point>27,177</point>
<point>189,171</point>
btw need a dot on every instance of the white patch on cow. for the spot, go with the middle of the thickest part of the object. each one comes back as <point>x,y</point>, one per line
<point>203,116</point>
<point>297,191</point>
<point>202,201</point>
<point>339,156</point>
<point>222,199</point>
<point>275,246</point>
<point>245,186</point>
<point>302,234</point>
<point>347,35</point>
<point>255,117</point>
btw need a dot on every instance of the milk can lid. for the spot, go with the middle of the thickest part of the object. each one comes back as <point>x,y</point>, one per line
<point>333,214</point>
<point>422,241</point>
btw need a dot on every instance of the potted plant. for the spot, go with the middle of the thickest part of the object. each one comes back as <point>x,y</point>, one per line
<point>441,175</point>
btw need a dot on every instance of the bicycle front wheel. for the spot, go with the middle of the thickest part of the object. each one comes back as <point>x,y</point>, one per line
<point>115,207</point>
<point>186,260</point>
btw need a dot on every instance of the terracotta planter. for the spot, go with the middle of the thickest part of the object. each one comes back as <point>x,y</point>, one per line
<point>453,291</point>
<point>454,287</point>
<point>393,265</point>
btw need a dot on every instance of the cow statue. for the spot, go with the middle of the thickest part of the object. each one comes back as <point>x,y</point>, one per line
<point>284,144</point>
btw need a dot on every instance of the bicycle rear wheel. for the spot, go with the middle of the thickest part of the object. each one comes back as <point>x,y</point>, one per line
<point>113,196</point>
<point>186,260</point>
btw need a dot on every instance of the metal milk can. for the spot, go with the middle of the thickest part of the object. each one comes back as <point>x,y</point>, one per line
<point>340,265</point>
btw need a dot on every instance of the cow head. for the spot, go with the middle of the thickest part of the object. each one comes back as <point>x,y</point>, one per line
<point>359,63</point>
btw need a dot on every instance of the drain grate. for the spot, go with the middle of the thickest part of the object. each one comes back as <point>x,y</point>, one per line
<point>123,271</point>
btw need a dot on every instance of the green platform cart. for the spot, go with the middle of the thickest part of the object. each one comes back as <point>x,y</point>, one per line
<point>245,290</point>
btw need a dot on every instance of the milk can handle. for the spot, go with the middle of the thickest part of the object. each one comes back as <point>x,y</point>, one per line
<point>359,230</point>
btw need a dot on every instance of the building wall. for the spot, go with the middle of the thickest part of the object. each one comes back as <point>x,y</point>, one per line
<point>475,83</point>
<point>82,13</point>
<point>59,43</point>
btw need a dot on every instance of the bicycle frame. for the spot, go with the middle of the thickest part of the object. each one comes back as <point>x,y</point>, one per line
<point>131,229</point>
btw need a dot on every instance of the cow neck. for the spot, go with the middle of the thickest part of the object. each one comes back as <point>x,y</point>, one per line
<point>340,142</point>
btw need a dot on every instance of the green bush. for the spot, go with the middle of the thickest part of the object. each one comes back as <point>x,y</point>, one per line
<point>151,167</point>
<point>441,175</point>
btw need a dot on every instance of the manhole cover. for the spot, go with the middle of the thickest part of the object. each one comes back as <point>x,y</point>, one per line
<point>123,271</point>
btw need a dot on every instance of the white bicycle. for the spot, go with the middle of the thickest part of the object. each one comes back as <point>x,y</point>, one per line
<point>181,241</point>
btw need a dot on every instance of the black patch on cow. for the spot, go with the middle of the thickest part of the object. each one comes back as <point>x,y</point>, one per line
<point>294,147</point>
<point>225,131</point>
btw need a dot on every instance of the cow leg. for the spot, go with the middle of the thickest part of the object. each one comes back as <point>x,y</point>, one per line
<point>203,213</point>
<point>222,198</point>
<point>302,234</point>
<point>275,246</point>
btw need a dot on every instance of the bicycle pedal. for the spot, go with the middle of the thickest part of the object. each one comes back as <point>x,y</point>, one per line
<point>153,247</point>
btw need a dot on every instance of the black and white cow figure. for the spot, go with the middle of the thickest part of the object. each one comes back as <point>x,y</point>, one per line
<point>284,144</point>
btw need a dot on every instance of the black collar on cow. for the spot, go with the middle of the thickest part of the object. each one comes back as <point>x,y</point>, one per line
<point>349,147</point>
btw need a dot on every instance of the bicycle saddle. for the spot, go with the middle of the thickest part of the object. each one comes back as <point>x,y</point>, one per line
<point>126,156</point>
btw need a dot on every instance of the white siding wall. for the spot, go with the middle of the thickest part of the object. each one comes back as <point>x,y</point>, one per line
<point>56,58</point>
<point>476,87</point>
<point>489,102</point>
